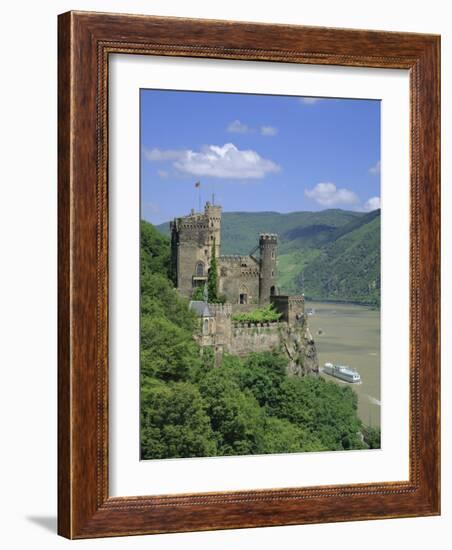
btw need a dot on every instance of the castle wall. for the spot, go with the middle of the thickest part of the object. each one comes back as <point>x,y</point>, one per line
<point>193,248</point>
<point>222,314</point>
<point>240,308</point>
<point>248,339</point>
<point>192,239</point>
<point>239,275</point>
<point>290,307</point>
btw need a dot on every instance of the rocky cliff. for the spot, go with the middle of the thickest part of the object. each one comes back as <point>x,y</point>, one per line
<point>298,344</point>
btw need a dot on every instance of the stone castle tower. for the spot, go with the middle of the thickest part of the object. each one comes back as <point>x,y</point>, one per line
<point>268,244</point>
<point>244,280</point>
<point>192,242</point>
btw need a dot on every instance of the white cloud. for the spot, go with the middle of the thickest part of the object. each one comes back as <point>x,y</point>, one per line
<point>225,161</point>
<point>162,174</point>
<point>375,169</point>
<point>237,127</point>
<point>327,194</point>
<point>310,100</point>
<point>372,204</point>
<point>269,131</point>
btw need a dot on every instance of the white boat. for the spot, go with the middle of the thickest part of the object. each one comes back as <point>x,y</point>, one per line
<point>342,372</point>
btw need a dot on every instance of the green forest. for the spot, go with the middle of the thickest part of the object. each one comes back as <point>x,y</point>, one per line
<point>332,255</point>
<point>189,408</point>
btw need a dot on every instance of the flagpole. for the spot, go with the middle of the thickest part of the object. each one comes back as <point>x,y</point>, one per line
<point>198,186</point>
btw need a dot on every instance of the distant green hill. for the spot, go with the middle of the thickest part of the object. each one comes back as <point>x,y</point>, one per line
<point>348,266</point>
<point>338,251</point>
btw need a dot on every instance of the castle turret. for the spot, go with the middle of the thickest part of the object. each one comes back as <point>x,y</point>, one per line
<point>212,213</point>
<point>268,243</point>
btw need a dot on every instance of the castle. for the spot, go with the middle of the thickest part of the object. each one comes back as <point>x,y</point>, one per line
<point>246,283</point>
<point>244,280</point>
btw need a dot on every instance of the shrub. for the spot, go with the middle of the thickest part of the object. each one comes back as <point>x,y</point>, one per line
<point>262,315</point>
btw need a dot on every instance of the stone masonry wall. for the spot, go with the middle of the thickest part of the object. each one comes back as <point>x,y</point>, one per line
<point>239,275</point>
<point>247,339</point>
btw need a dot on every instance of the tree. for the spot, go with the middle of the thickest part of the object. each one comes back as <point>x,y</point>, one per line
<point>155,250</point>
<point>262,374</point>
<point>327,410</point>
<point>212,278</point>
<point>168,352</point>
<point>198,293</point>
<point>173,422</point>
<point>372,437</point>
<point>236,418</point>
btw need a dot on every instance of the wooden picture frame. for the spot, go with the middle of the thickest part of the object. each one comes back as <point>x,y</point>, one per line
<point>85,42</point>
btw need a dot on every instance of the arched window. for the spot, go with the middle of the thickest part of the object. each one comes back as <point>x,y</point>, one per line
<point>199,269</point>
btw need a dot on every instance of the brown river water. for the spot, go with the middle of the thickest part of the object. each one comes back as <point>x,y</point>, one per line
<point>349,334</point>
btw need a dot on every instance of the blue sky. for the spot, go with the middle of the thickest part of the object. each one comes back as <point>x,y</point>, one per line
<point>257,153</point>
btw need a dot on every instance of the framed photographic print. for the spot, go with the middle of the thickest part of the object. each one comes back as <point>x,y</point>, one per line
<point>248,275</point>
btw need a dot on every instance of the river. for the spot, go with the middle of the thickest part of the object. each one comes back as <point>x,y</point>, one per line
<point>349,334</point>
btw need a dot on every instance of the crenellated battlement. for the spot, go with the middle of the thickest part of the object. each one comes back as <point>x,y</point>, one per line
<point>295,298</point>
<point>234,258</point>
<point>271,238</point>
<point>257,324</point>
<point>220,310</point>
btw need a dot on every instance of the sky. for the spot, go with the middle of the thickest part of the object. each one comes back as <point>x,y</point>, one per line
<point>257,153</point>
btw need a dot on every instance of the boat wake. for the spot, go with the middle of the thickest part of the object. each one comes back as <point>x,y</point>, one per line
<point>373,400</point>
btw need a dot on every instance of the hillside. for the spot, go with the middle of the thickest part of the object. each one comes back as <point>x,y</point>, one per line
<point>348,267</point>
<point>190,408</point>
<point>338,251</point>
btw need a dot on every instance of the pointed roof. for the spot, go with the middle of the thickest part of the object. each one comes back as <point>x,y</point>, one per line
<point>200,308</point>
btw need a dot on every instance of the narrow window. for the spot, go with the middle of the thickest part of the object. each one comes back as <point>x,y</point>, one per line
<point>243,298</point>
<point>200,269</point>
